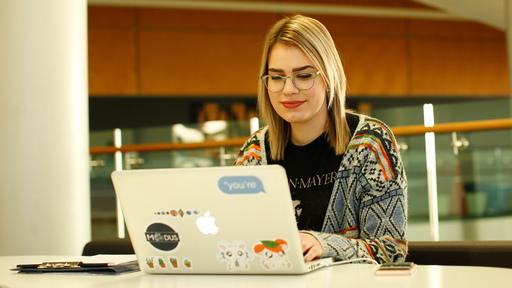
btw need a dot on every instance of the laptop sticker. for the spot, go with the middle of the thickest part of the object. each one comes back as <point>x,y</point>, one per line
<point>235,255</point>
<point>241,185</point>
<point>176,213</point>
<point>149,262</point>
<point>174,262</point>
<point>188,263</point>
<point>162,237</point>
<point>273,254</point>
<point>161,262</point>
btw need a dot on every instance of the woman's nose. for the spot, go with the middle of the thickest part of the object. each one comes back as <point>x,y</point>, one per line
<point>289,87</point>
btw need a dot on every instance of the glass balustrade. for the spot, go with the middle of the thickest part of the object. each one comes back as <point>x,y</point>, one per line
<point>473,172</point>
<point>103,201</point>
<point>473,169</point>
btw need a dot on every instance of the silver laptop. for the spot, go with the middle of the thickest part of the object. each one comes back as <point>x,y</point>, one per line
<point>216,220</point>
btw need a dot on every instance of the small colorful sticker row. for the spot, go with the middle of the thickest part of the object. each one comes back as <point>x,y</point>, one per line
<point>174,262</point>
<point>177,213</point>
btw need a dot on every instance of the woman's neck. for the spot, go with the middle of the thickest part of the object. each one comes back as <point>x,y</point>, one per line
<point>302,139</point>
<point>305,133</point>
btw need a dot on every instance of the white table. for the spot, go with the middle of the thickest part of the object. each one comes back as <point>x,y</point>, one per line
<point>349,275</point>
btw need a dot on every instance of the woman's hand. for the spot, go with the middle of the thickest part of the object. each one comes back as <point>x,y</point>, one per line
<point>311,248</point>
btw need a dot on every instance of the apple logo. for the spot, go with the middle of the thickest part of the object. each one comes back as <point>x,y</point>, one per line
<point>206,224</point>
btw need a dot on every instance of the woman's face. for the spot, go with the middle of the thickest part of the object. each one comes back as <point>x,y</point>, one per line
<point>297,107</point>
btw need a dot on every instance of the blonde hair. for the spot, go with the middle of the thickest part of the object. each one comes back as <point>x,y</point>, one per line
<point>314,40</point>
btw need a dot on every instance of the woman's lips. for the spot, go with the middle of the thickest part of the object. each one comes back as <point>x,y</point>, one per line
<point>292,104</point>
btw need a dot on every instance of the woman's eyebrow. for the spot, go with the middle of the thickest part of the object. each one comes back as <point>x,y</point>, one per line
<point>302,68</point>
<point>275,70</point>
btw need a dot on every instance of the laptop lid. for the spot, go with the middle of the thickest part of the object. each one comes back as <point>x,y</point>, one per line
<point>215,220</point>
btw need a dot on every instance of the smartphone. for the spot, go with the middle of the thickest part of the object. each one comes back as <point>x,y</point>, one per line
<point>396,269</point>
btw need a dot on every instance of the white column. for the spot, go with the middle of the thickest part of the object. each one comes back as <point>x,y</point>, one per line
<point>44,159</point>
<point>430,153</point>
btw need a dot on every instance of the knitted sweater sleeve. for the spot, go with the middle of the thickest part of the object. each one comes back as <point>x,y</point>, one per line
<point>367,214</point>
<point>253,150</point>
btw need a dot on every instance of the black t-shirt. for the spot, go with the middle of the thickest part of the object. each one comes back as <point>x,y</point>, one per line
<point>311,171</point>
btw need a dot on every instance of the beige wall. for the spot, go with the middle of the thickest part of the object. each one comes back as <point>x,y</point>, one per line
<point>167,52</point>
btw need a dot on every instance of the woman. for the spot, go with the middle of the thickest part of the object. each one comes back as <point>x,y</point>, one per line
<point>346,176</point>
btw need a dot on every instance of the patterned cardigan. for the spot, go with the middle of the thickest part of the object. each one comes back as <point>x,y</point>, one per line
<point>367,212</point>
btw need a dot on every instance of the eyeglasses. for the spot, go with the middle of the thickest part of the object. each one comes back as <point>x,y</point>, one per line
<point>302,80</point>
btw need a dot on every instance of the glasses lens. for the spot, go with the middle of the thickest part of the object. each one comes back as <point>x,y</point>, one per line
<point>274,83</point>
<point>303,81</point>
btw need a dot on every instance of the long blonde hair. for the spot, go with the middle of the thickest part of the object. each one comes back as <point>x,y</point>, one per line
<point>314,40</point>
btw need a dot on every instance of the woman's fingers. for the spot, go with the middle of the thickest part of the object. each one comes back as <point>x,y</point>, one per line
<point>311,248</point>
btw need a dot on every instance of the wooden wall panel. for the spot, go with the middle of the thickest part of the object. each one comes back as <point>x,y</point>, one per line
<point>457,58</point>
<point>198,63</point>
<point>452,29</point>
<point>377,67</point>
<point>185,52</point>
<point>387,3</point>
<point>112,54</point>
<point>105,16</point>
<point>458,68</point>
<point>112,62</point>
<point>166,52</point>
<point>363,27</point>
<point>246,22</point>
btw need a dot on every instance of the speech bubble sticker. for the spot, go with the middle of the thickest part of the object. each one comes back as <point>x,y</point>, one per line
<point>241,185</point>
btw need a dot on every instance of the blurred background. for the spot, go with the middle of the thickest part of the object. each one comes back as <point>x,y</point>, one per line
<point>186,74</point>
<point>93,86</point>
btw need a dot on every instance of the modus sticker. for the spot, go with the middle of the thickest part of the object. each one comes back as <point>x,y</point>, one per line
<point>162,237</point>
<point>235,255</point>
<point>273,254</point>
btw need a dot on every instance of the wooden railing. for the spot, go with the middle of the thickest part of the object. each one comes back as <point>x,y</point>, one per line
<point>154,147</point>
<point>468,126</point>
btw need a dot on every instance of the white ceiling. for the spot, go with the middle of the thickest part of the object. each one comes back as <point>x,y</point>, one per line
<point>488,12</point>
